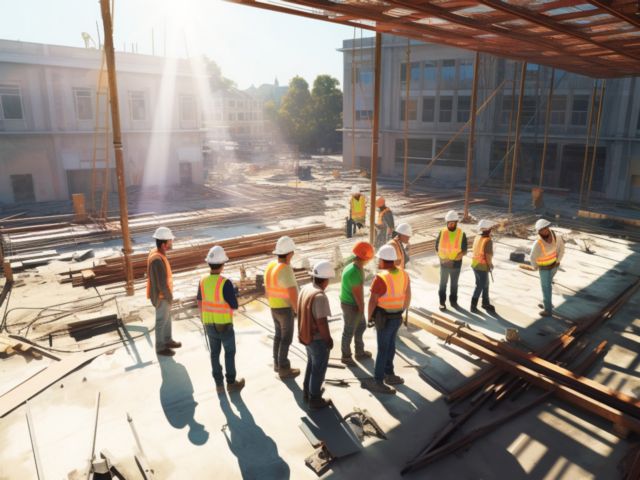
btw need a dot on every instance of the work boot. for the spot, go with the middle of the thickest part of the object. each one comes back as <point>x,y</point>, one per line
<point>306,395</point>
<point>316,403</point>
<point>545,313</point>
<point>235,386</point>
<point>166,352</point>
<point>474,305</point>
<point>348,361</point>
<point>285,373</point>
<point>363,355</point>
<point>443,299</point>
<point>453,301</point>
<point>275,367</point>
<point>541,306</point>
<point>488,307</point>
<point>380,387</point>
<point>219,389</point>
<point>393,380</point>
<point>173,344</point>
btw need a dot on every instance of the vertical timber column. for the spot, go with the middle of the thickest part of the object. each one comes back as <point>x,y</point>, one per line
<point>595,140</point>
<point>472,136</point>
<point>374,134</point>
<point>546,126</point>
<point>516,140</point>
<point>586,145</point>
<point>406,117</point>
<point>117,141</point>
<point>353,101</point>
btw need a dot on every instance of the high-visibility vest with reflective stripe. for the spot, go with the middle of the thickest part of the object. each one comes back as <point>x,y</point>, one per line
<point>450,245</point>
<point>214,308</point>
<point>397,282</point>
<point>381,215</point>
<point>277,295</point>
<point>395,243</point>
<point>479,261</point>
<point>358,208</point>
<point>153,255</point>
<point>548,257</point>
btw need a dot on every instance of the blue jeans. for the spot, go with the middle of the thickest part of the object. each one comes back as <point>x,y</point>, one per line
<point>546,279</point>
<point>482,286</point>
<point>317,363</point>
<point>218,340</point>
<point>283,336</point>
<point>387,347</point>
<point>445,274</point>
<point>163,324</point>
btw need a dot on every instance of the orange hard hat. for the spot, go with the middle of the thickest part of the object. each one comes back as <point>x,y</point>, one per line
<point>380,202</point>
<point>363,250</point>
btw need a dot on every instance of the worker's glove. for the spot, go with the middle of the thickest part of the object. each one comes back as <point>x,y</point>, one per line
<point>371,323</point>
<point>360,225</point>
<point>330,345</point>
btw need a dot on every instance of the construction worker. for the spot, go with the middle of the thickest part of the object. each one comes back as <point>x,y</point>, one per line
<point>357,211</point>
<point>390,297</point>
<point>400,242</point>
<point>282,292</point>
<point>313,332</point>
<point>352,303</point>
<point>216,302</point>
<point>546,255</point>
<point>384,223</point>
<point>451,246</point>
<point>482,265</point>
<point>160,290</point>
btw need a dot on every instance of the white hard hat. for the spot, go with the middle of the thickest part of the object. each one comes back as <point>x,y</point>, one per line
<point>451,216</point>
<point>404,229</point>
<point>355,189</point>
<point>542,223</point>
<point>216,256</point>
<point>485,225</point>
<point>387,252</point>
<point>284,245</point>
<point>323,269</point>
<point>163,233</point>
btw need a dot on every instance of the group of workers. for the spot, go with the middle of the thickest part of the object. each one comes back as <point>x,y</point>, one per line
<point>390,296</point>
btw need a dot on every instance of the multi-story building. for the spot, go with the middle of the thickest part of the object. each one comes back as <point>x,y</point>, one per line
<point>51,108</point>
<point>438,107</point>
<point>237,116</point>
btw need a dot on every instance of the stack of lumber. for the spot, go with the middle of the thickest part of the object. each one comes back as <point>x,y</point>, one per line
<point>9,346</point>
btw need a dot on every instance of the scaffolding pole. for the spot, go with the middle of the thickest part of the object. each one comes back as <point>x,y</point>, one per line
<point>117,141</point>
<point>374,134</point>
<point>513,98</point>
<point>546,126</point>
<point>595,139</point>
<point>516,140</point>
<point>406,117</point>
<point>353,101</point>
<point>586,145</point>
<point>472,136</point>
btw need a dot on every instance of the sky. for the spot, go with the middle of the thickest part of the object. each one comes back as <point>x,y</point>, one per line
<point>252,46</point>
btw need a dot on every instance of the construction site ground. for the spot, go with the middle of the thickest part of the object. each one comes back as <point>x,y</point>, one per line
<point>188,430</point>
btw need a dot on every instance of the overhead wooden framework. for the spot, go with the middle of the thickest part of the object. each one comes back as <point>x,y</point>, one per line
<point>597,38</point>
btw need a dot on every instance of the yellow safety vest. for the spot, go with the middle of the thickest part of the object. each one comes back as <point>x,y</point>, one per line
<point>479,261</point>
<point>358,208</point>
<point>214,308</point>
<point>397,282</point>
<point>395,243</point>
<point>450,243</point>
<point>277,295</point>
<point>548,257</point>
<point>153,254</point>
<point>381,213</point>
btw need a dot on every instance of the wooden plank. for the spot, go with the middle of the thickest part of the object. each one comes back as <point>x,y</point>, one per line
<point>634,222</point>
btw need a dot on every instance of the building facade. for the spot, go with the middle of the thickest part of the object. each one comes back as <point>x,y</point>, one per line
<point>54,116</point>
<point>438,107</point>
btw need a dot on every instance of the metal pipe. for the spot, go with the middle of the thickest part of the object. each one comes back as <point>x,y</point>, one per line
<point>472,135</point>
<point>595,140</point>
<point>117,142</point>
<point>516,140</point>
<point>546,126</point>
<point>353,102</point>
<point>513,98</point>
<point>406,117</point>
<point>586,145</point>
<point>374,134</point>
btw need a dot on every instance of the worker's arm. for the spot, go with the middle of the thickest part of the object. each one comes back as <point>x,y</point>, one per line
<point>358,295</point>
<point>390,222</point>
<point>489,254</point>
<point>159,278</point>
<point>438,241</point>
<point>229,294</point>
<point>373,301</point>
<point>534,254</point>
<point>407,300</point>
<point>199,299</point>
<point>321,312</point>
<point>463,246</point>
<point>560,247</point>
<point>293,298</point>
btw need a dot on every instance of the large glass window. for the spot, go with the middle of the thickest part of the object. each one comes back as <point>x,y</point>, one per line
<point>464,107</point>
<point>419,151</point>
<point>364,114</point>
<point>429,74</point>
<point>428,109</point>
<point>364,76</point>
<point>415,74</point>
<point>137,106</point>
<point>413,109</point>
<point>466,73</point>
<point>579,109</point>
<point>558,108</point>
<point>446,109</point>
<point>448,71</point>
<point>84,103</point>
<point>454,155</point>
<point>11,102</point>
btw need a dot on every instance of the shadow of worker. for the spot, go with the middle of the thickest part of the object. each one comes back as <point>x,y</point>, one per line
<point>176,398</point>
<point>256,452</point>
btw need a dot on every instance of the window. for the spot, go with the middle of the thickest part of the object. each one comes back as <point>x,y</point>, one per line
<point>446,107</point>
<point>413,109</point>
<point>464,108</point>
<point>22,186</point>
<point>137,106</point>
<point>364,76</point>
<point>188,112</point>
<point>454,155</point>
<point>579,109</point>
<point>529,104</point>
<point>415,74</point>
<point>448,70</point>
<point>84,104</point>
<point>466,73</point>
<point>505,113</point>
<point>558,107</point>
<point>429,72</point>
<point>232,117</point>
<point>419,151</point>
<point>11,102</point>
<point>428,109</point>
<point>241,116</point>
<point>364,114</point>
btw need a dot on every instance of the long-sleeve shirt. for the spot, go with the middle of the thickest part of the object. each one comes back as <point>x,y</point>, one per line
<point>463,247</point>
<point>536,251</point>
<point>158,280</point>
<point>228,293</point>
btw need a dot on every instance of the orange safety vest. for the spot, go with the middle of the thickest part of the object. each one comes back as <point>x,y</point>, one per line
<point>153,254</point>
<point>397,283</point>
<point>381,213</point>
<point>358,208</point>
<point>214,308</point>
<point>479,260</point>
<point>275,292</point>
<point>550,257</point>
<point>395,243</point>
<point>450,243</point>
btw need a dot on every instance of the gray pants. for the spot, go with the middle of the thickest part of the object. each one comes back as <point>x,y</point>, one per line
<point>283,323</point>
<point>163,324</point>
<point>354,324</point>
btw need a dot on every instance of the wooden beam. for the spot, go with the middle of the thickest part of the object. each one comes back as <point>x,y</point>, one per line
<point>516,141</point>
<point>595,140</point>
<point>606,6</point>
<point>588,139</point>
<point>546,126</point>
<point>472,137</point>
<point>374,135</point>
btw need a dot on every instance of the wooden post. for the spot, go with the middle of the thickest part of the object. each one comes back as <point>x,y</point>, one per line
<point>353,101</point>
<point>513,98</point>
<point>586,145</point>
<point>117,142</point>
<point>546,126</point>
<point>374,135</point>
<point>406,117</point>
<point>516,140</point>
<point>7,271</point>
<point>595,140</point>
<point>472,136</point>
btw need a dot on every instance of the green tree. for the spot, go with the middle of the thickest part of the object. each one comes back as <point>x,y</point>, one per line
<point>216,80</point>
<point>326,100</point>
<point>294,116</point>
